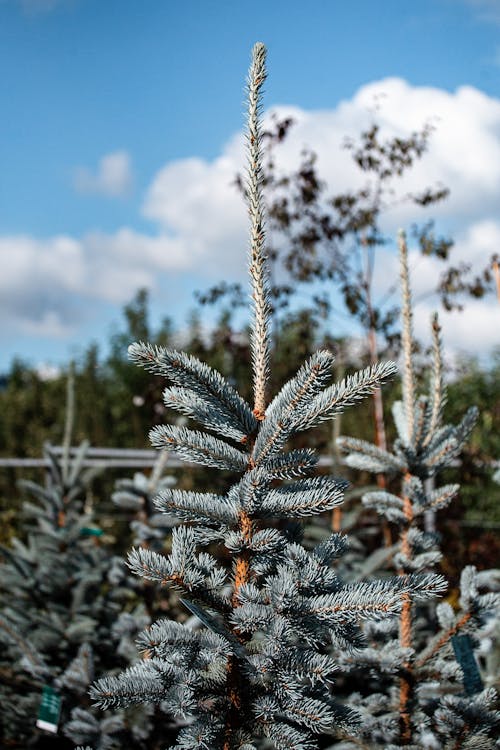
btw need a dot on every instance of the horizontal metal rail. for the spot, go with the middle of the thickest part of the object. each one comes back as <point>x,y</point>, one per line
<point>117,458</point>
<point>142,457</point>
<point>30,463</point>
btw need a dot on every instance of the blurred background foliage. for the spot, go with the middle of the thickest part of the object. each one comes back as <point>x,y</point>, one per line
<point>117,403</point>
<point>323,251</point>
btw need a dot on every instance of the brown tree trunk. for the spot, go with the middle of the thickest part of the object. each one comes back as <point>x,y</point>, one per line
<point>405,639</point>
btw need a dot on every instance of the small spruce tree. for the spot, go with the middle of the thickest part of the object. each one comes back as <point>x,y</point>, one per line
<point>424,688</point>
<point>260,667</point>
<point>136,496</point>
<point>61,616</point>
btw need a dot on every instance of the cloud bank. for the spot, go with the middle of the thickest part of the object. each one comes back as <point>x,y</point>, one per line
<point>199,225</point>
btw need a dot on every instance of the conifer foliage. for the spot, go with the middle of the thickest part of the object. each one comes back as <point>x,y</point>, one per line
<point>62,618</point>
<point>425,689</point>
<point>136,496</point>
<point>259,667</point>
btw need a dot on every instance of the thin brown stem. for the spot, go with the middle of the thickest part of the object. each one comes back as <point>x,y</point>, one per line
<point>443,640</point>
<point>234,697</point>
<point>336,520</point>
<point>236,688</point>
<point>405,635</point>
<point>242,567</point>
<point>380,436</point>
<point>496,271</point>
<point>378,405</point>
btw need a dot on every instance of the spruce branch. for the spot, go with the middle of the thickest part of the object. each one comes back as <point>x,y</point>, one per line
<point>284,411</point>
<point>186,371</point>
<point>373,600</point>
<point>442,640</point>
<point>25,647</point>
<point>198,447</point>
<point>447,443</point>
<point>207,411</point>
<point>164,635</point>
<point>197,575</point>
<point>369,457</point>
<point>260,335</point>
<point>438,393</point>
<point>349,391</point>
<point>148,680</point>
<point>296,463</point>
<point>201,507</point>
<point>304,498</point>
<point>441,497</point>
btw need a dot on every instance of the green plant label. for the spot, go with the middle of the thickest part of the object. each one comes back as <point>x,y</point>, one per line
<point>464,654</point>
<point>90,531</point>
<point>50,708</point>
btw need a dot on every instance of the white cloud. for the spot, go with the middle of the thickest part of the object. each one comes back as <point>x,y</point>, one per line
<point>197,202</point>
<point>39,281</point>
<point>474,331</point>
<point>113,176</point>
<point>464,151</point>
<point>477,328</point>
<point>42,280</point>
<point>474,246</point>
<point>194,199</point>
<point>199,222</point>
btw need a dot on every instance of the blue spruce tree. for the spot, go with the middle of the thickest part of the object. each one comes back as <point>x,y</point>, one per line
<point>136,496</point>
<point>259,667</point>
<point>424,688</point>
<point>64,603</point>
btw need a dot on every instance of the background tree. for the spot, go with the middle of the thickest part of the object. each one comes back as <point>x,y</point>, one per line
<point>432,669</point>
<point>63,602</point>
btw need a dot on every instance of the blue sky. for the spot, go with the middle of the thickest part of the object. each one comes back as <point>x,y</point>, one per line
<point>155,89</point>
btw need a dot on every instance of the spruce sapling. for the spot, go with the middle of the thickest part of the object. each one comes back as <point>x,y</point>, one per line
<point>137,495</point>
<point>439,701</point>
<point>259,668</point>
<point>148,526</point>
<point>59,613</point>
